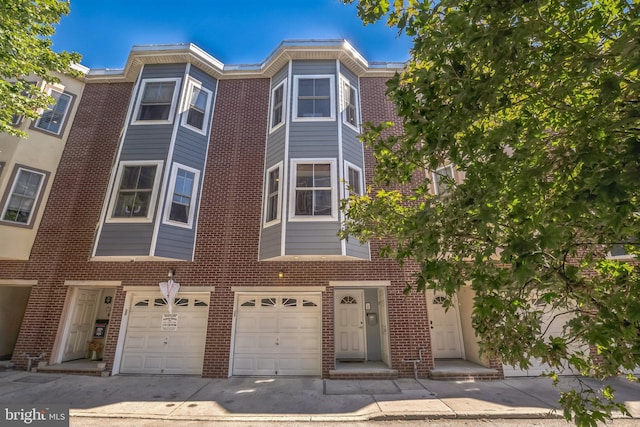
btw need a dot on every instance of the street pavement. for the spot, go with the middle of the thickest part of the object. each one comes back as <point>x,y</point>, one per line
<point>272,399</point>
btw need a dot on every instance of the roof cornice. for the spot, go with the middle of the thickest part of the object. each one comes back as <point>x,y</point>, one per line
<point>286,51</point>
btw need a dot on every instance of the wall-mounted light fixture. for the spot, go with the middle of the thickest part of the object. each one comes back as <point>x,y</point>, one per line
<point>281,274</point>
<point>171,273</point>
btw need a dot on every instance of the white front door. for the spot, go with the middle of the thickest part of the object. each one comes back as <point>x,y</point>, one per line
<point>444,325</point>
<point>278,334</point>
<point>148,349</point>
<point>83,316</point>
<point>350,333</point>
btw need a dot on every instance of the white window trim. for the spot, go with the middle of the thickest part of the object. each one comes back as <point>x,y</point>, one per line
<point>278,218</point>
<point>435,176</point>
<point>292,192</point>
<point>343,104</point>
<point>194,84</point>
<point>347,166</point>
<point>284,106</point>
<point>36,199</point>
<point>61,91</point>
<point>169,197</point>
<point>332,95</point>
<point>154,192</point>
<point>136,110</point>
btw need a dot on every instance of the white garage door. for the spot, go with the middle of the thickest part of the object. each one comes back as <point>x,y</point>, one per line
<point>553,321</point>
<point>150,350</point>
<point>278,334</point>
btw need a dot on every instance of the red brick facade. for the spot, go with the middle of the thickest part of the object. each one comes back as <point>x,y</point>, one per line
<point>226,252</point>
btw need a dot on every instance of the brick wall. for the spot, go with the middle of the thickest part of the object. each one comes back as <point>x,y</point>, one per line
<point>228,231</point>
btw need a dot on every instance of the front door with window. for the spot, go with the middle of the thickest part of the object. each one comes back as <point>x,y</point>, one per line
<point>444,324</point>
<point>350,332</point>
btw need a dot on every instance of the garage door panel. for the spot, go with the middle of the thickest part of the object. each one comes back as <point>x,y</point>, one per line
<point>149,349</point>
<point>279,334</point>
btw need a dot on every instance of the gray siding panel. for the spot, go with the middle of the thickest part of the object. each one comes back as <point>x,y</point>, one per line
<point>313,238</point>
<point>270,239</point>
<point>125,240</point>
<point>353,79</point>
<point>207,81</point>
<point>355,249</point>
<point>163,71</point>
<point>313,139</point>
<point>146,142</point>
<point>175,242</point>
<point>314,67</point>
<point>279,76</point>
<point>275,147</point>
<point>351,146</point>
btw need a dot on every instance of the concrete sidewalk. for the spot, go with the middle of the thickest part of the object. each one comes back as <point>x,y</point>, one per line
<point>293,398</point>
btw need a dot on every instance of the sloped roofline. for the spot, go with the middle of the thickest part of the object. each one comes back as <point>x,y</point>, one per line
<point>287,50</point>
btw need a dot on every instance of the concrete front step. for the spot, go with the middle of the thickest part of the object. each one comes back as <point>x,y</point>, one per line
<point>95,369</point>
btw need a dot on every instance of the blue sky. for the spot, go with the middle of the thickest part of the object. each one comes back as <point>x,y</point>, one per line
<point>234,32</point>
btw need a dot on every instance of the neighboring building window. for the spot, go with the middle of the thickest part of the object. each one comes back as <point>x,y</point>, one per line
<point>354,180</point>
<point>272,197</point>
<point>52,120</point>
<point>197,109</point>
<point>619,251</point>
<point>181,201</point>
<point>135,191</point>
<point>349,99</point>
<point>278,106</point>
<point>442,179</point>
<point>314,98</point>
<point>21,201</point>
<point>16,119</point>
<point>157,101</point>
<point>314,195</point>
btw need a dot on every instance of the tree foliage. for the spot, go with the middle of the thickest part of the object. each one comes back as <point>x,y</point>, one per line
<point>536,104</point>
<point>26,55</point>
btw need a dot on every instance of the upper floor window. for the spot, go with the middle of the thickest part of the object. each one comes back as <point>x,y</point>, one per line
<point>349,104</point>
<point>156,103</point>
<point>52,119</point>
<point>21,200</point>
<point>314,193</point>
<point>272,197</point>
<point>278,112</point>
<point>197,108</point>
<point>442,179</point>
<point>314,97</point>
<point>135,191</point>
<point>354,180</point>
<point>180,202</point>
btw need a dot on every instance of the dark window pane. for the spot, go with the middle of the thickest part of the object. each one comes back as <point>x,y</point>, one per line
<point>304,202</point>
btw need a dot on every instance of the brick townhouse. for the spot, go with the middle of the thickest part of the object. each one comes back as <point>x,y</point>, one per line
<point>226,180</point>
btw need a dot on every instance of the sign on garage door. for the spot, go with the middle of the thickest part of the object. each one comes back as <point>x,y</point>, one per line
<point>278,334</point>
<point>148,349</point>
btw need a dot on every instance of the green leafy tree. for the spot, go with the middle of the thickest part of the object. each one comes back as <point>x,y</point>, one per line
<point>536,104</point>
<point>25,56</point>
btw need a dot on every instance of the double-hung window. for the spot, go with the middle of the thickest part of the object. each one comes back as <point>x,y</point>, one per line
<point>442,179</point>
<point>354,180</point>
<point>180,206</point>
<point>197,107</point>
<point>272,195</point>
<point>21,201</point>
<point>156,102</point>
<point>135,191</point>
<point>314,190</point>
<point>278,105</point>
<point>314,98</point>
<point>52,119</point>
<point>349,104</point>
